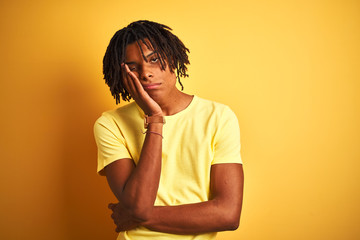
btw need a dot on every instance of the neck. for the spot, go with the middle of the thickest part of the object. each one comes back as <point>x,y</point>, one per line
<point>176,103</point>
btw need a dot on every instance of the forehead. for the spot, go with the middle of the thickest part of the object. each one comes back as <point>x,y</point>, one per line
<point>133,51</point>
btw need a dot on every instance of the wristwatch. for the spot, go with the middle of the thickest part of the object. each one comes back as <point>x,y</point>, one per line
<point>153,119</point>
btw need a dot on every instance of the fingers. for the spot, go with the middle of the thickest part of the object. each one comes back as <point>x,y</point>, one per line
<point>135,81</point>
<point>132,82</point>
<point>121,218</point>
<point>112,206</point>
<point>137,92</point>
<point>127,80</point>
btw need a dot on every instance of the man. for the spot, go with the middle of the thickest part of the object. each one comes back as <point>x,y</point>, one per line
<point>171,159</point>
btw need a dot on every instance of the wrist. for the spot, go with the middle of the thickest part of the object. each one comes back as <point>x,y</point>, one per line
<point>158,114</point>
<point>154,119</point>
<point>155,127</point>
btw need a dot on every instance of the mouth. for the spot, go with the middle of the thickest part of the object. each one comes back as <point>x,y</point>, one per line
<point>151,86</point>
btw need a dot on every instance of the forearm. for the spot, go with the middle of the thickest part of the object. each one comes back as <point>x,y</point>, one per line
<point>210,216</point>
<point>221,213</point>
<point>139,192</point>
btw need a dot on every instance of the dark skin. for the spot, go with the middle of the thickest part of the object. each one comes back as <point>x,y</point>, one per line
<point>135,187</point>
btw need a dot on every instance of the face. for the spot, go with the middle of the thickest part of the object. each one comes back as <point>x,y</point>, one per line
<point>157,82</point>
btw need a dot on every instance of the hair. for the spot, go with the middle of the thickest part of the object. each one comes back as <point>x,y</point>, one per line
<point>156,36</point>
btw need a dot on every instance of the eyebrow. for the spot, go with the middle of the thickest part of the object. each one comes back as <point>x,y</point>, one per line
<point>149,55</point>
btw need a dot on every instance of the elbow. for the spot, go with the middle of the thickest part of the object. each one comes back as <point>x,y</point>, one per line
<point>233,225</point>
<point>231,218</point>
<point>139,208</point>
<point>232,222</point>
<point>138,211</point>
<point>141,214</point>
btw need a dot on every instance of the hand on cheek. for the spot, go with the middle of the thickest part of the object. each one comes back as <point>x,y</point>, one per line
<point>137,92</point>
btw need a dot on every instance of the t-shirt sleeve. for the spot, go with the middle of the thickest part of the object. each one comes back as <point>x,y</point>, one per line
<point>227,139</point>
<point>110,143</point>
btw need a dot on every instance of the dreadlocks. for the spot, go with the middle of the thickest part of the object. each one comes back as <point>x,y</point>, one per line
<point>169,47</point>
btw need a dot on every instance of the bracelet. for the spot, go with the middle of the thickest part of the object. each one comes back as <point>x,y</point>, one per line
<point>154,133</point>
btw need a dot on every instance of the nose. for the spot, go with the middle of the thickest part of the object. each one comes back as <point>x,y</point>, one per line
<point>146,73</point>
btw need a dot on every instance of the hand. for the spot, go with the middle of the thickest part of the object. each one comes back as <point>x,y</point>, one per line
<point>137,92</point>
<point>121,218</point>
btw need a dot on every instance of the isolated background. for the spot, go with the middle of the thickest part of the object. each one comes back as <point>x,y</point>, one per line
<point>290,70</point>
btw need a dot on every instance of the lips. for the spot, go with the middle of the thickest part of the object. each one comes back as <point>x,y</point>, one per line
<point>151,86</point>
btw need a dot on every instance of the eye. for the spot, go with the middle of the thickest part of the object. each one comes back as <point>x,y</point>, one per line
<point>154,59</point>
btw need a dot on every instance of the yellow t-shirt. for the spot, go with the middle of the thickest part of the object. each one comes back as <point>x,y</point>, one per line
<point>203,134</point>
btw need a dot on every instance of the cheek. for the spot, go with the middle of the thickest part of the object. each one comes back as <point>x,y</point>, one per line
<point>136,74</point>
<point>168,74</point>
<point>172,78</point>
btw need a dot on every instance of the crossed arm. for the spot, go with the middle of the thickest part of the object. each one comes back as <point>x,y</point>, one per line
<point>220,213</point>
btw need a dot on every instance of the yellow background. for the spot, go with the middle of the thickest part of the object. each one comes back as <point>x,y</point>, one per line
<point>289,69</point>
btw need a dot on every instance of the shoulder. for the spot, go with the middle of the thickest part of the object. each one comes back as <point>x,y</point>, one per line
<point>119,118</point>
<point>119,114</point>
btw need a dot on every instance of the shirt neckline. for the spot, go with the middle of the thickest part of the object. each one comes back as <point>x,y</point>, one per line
<point>178,114</point>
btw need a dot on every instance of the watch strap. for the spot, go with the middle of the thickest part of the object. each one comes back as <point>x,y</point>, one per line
<point>153,119</point>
